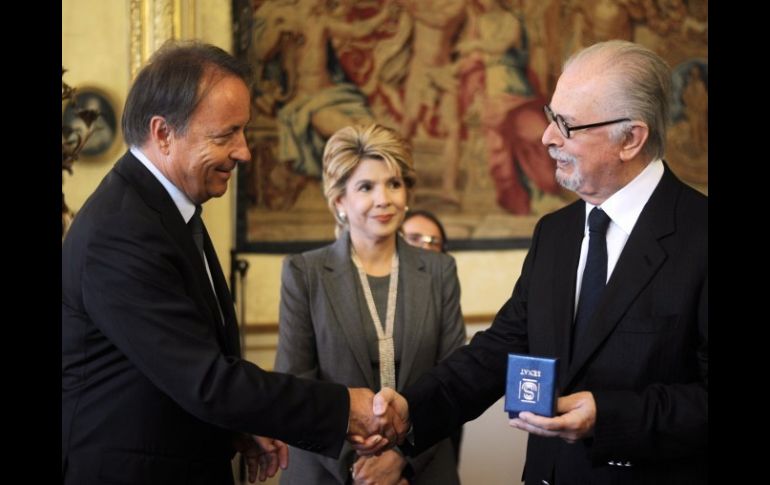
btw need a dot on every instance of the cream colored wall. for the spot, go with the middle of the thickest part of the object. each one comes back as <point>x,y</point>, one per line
<point>485,287</point>
<point>95,50</point>
<point>95,53</point>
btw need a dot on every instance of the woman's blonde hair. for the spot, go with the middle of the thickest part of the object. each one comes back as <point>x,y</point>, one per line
<point>350,145</point>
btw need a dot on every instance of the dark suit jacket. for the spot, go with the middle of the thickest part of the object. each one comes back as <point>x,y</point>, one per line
<point>644,358</point>
<point>321,337</point>
<point>152,380</point>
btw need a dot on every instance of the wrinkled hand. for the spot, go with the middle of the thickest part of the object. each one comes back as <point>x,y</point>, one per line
<point>576,420</point>
<point>387,401</point>
<point>390,406</point>
<point>384,469</point>
<point>263,456</point>
<point>363,427</point>
<point>374,425</point>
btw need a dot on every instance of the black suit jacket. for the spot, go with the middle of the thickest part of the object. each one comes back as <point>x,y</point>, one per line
<point>153,385</point>
<point>644,357</point>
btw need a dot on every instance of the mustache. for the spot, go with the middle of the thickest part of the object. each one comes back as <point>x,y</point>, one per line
<point>562,156</point>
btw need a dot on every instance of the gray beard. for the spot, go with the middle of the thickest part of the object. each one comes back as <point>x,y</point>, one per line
<point>569,182</point>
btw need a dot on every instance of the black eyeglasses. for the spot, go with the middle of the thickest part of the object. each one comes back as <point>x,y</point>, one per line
<point>565,129</point>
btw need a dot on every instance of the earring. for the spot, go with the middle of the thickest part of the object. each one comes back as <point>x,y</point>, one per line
<point>342,216</point>
<point>406,208</point>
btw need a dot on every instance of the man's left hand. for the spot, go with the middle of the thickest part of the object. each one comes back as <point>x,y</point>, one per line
<point>263,456</point>
<point>576,419</point>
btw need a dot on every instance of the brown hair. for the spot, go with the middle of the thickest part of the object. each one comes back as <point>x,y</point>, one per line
<point>170,85</point>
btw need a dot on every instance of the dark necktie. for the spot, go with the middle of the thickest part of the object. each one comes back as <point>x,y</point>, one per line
<point>595,272</point>
<point>196,228</point>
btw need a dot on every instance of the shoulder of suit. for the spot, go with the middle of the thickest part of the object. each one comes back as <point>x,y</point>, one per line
<point>114,197</point>
<point>432,260</point>
<point>313,255</point>
<point>314,258</point>
<point>568,211</point>
<point>695,197</point>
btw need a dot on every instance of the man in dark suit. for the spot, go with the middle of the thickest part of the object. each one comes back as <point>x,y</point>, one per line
<point>154,390</point>
<point>632,341</point>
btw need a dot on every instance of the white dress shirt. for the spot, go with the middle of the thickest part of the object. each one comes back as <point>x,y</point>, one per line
<point>623,207</point>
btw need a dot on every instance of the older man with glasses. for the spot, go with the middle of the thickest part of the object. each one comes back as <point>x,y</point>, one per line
<point>615,285</point>
<point>566,129</point>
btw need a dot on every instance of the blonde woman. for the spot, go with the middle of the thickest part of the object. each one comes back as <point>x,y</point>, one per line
<point>369,309</point>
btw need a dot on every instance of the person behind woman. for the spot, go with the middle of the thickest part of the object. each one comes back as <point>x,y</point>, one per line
<point>422,228</point>
<point>369,309</point>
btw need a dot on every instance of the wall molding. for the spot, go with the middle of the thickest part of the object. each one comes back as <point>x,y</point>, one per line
<point>153,22</point>
<point>272,327</point>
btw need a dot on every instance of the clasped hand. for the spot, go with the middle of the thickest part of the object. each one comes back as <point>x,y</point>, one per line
<point>377,422</point>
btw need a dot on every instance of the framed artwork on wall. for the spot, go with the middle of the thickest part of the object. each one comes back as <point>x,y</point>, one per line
<point>103,138</point>
<point>464,80</point>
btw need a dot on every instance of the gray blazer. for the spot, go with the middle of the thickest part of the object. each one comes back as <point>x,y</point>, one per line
<point>321,337</point>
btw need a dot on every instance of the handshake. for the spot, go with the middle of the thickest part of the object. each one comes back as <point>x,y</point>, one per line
<point>377,422</point>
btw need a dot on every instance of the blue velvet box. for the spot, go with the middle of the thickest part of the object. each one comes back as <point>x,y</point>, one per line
<point>531,385</point>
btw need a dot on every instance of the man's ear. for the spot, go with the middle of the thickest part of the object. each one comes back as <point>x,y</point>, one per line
<point>160,134</point>
<point>634,140</point>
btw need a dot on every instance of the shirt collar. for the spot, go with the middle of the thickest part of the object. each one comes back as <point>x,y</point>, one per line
<point>625,205</point>
<point>183,203</point>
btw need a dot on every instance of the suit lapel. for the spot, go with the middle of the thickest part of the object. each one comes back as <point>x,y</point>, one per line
<point>339,280</point>
<point>564,287</point>
<point>639,261</point>
<point>229,331</point>
<point>154,195</point>
<point>414,290</point>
